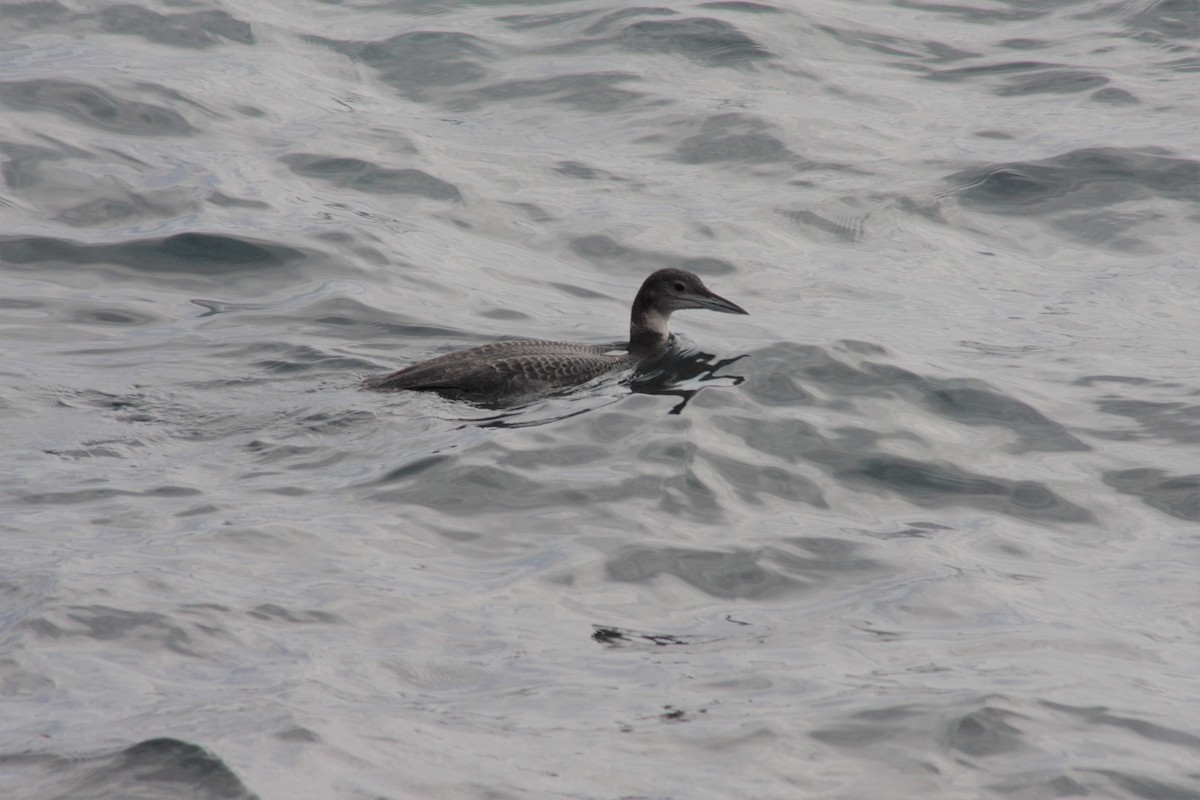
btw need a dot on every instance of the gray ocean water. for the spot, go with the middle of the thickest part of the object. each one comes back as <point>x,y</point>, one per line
<point>923,525</point>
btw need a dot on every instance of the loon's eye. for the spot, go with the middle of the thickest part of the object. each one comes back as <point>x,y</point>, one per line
<point>679,287</point>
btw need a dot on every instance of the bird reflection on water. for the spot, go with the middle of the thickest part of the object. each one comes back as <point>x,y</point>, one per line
<point>684,373</point>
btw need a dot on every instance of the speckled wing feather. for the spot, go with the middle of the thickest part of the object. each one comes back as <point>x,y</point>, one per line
<point>507,370</point>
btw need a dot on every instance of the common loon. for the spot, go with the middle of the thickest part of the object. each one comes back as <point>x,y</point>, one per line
<point>529,368</point>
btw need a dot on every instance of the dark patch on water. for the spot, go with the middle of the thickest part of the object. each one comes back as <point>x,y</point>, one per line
<point>273,612</point>
<point>34,14</point>
<point>1189,64</point>
<point>734,138</point>
<point>22,168</point>
<point>595,92</point>
<point>710,42</point>
<point>104,317</point>
<point>926,50</point>
<point>868,727</point>
<point>1078,180</point>
<point>1177,421</point>
<point>20,303</point>
<point>986,732</point>
<point>411,470</point>
<point>108,210</point>
<point>1091,380</point>
<point>1177,495</point>
<point>140,630</point>
<point>913,530</point>
<point>576,169</point>
<point>91,495</point>
<point>223,200</point>
<point>782,372</point>
<point>1169,19</point>
<point>414,62</point>
<point>1027,77</point>
<point>155,769</point>
<point>1114,96</point>
<point>190,29</point>
<point>592,92</point>
<point>614,19</point>
<point>968,402</point>
<point>1053,81</point>
<point>750,480</point>
<point>1173,420</point>
<point>301,735</point>
<point>528,22</point>
<point>86,314</point>
<point>669,713</point>
<point>96,108</point>
<point>737,574</point>
<point>803,565</point>
<point>849,457</point>
<point>1100,715</point>
<point>937,484</point>
<point>1014,12</point>
<point>1025,43</point>
<point>363,176</point>
<point>1075,192</point>
<point>1143,786</point>
<point>468,490</point>
<point>194,254</point>
<point>742,6</point>
<point>618,637</point>
<point>673,714</point>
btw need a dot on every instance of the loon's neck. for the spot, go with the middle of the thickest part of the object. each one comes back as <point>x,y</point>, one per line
<point>648,332</point>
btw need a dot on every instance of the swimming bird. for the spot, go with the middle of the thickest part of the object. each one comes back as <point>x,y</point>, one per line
<point>513,371</point>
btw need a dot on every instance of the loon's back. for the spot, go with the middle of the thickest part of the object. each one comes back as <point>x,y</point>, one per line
<point>507,370</point>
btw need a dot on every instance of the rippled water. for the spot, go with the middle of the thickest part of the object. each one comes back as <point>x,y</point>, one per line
<point>923,525</point>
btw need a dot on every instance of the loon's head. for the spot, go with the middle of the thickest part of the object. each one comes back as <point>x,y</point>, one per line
<point>662,293</point>
<point>670,290</point>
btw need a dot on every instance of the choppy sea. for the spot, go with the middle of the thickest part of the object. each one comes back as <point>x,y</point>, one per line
<point>923,525</point>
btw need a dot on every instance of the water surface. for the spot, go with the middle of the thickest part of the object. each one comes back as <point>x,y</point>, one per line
<point>923,525</point>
